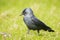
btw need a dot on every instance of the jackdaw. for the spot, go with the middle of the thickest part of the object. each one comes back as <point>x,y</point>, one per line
<point>33,23</point>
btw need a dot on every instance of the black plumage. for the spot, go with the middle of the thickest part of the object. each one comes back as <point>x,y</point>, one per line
<point>33,23</point>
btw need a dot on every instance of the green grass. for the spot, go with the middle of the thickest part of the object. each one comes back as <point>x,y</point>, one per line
<point>13,27</point>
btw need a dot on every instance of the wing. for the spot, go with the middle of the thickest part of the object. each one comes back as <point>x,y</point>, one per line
<point>41,25</point>
<point>38,22</point>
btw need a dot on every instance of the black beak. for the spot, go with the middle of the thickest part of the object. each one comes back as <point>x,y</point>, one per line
<point>21,14</point>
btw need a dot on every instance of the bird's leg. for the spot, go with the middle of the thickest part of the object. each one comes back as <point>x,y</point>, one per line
<point>28,31</point>
<point>38,32</point>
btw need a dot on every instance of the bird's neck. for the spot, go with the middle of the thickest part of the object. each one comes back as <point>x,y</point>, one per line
<point>29,15</point>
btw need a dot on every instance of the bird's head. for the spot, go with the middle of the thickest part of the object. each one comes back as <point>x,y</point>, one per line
<point>27,11</point>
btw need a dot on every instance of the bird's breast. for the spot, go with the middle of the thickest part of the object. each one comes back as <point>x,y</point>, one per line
<point>30,24</point>
<point>27,19</point>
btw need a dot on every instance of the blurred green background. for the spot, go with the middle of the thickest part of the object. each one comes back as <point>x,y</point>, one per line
<point>12,26</point>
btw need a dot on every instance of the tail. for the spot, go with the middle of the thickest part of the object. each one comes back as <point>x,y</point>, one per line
<point>48,29</point>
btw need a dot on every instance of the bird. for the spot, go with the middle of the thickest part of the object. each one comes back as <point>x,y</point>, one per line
<point>32,22</point>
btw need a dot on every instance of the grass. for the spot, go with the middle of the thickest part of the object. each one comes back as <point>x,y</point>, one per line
<point>12,26</point>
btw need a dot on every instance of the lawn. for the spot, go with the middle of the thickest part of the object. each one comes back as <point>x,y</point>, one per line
<point>12,26</point>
